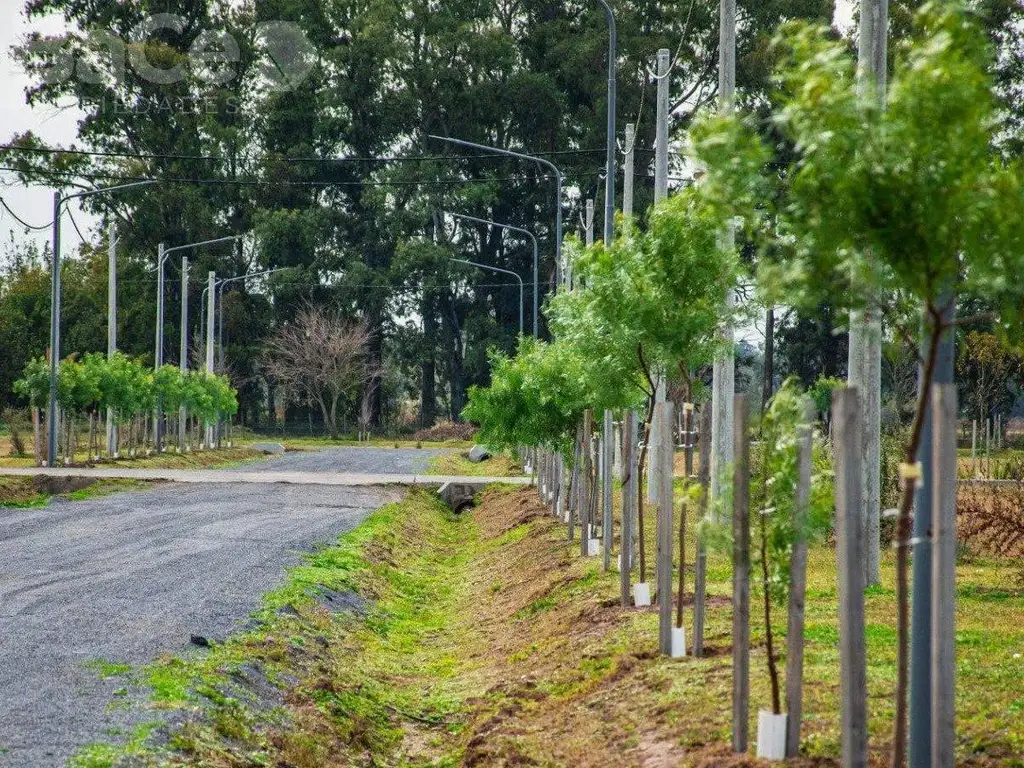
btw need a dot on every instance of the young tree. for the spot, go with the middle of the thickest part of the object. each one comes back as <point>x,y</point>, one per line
<point>320,359</point>
<point>888,209</point>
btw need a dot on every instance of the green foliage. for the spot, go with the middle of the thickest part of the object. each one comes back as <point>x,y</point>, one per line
<point>127,387</point>
<point>821,393</point>
<point>775,484</point>
<point>34,385</point>
<point>535,398</point>
<point>651,300</point>
<point>774,475</point>
<point>885,208</point>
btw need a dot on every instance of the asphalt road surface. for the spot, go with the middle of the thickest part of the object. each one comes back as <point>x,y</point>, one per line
<point>389,461</point>
<point>130,576</point>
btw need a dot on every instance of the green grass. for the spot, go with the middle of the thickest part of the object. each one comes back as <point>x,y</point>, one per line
<point>107,669</point>
<point>458,464</point>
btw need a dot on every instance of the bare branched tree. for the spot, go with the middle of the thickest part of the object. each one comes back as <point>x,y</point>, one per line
<point>320,359</point>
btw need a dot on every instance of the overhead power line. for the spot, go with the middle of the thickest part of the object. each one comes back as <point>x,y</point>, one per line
<point>284,158</point>
<point>99,176</point>
<point>21,220</point>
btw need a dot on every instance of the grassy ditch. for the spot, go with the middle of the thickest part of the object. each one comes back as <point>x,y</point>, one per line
<point>486,640</point>
<point>458,464</point>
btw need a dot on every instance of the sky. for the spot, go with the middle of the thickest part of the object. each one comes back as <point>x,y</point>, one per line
<point>58,126</point>
<point>55,126</point>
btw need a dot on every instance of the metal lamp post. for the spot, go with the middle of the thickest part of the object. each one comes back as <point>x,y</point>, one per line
<point>522,300</point>
<point>219,302</point>
<point>533,159</point>
<point>609,189</point>
<point>55,295</point>
<point>536,259</point>
<point>216,304</point>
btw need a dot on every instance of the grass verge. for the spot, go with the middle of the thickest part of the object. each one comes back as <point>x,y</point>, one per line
<point>458,464</point>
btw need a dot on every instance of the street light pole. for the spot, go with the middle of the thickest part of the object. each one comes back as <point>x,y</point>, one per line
<point>158,347</point>
<point>536,259</point>
<point>211,287</point>
<point>609,189</point>
<point>183,351</point>
<point>51,411</point>
<point>55,295</point>
<point>522,301</point>
<point>164,253</point>
<point>111,327</point>
<point>588,223</point>
<point>533,159</point>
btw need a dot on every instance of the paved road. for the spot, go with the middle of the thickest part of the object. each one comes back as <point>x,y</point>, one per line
<point>255,476</point>
<point>388,461</point>
<point>128,577</point>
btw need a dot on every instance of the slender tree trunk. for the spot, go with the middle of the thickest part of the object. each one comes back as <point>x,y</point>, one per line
<point>428,367</point>
<point>773,668</point>
<point>641,489</point>
<point>37,441</point>
<point>902,543</point>
<point>769,357</point>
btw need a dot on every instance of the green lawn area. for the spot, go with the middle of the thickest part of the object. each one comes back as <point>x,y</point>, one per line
<point>499,465</point>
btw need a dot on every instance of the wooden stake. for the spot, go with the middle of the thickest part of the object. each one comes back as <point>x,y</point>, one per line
<point>585,490</point>
<point>701,565</point>
<point>798,588</point>
<point>740,578</point>
<point>944,411</point>
<point>846,418</point>
<point>686,430</point>
<point>628,500</point>
<point>574,485</point>
<point>556,481</point>
<point>607,441</point>
<point>974,448</point>
<point>666,529</point>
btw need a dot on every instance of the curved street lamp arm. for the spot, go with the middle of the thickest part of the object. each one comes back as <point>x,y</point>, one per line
<point>529,158</point>
<point>498,224</point>
<point>536,260</point>
<point>118,188</point>
<point>506,272</point>
<point>201,243</point>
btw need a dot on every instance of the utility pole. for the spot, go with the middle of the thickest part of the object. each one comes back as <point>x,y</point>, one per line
<point>158,357</point>
<point>627,178</point>
<point>865,348</point>
<point>660,194</point>
<point>661,130</point>
<point>183,352</point>
<point>55,293</point>
<point>111,327</point>
<point>723,386</point>
<point>211,300</point>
